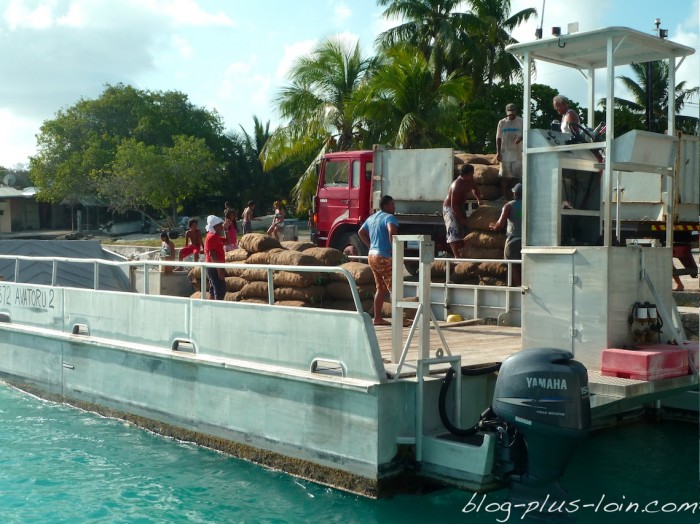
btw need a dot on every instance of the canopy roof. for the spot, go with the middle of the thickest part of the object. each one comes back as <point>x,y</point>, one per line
<point>588,50</point>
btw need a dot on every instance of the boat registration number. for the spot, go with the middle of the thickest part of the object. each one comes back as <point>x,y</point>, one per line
<point>34,298</point>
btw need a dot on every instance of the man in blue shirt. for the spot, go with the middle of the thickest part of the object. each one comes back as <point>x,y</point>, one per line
<point>376,233</point>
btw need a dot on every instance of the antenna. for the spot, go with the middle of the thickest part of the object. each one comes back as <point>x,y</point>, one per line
<point>538,31</point>
<point>9,179</point>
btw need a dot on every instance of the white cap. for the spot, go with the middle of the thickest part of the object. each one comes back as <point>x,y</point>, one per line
<point>213,220</point>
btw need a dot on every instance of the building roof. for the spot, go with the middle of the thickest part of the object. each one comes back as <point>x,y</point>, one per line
<point>11,192</point>
<point>69,274</point>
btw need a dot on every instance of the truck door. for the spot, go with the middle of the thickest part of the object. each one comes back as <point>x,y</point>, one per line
<point>358,200</point>
<point>333,194</point>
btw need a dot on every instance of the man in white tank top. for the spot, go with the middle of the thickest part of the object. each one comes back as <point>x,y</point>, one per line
<point>568,116</point>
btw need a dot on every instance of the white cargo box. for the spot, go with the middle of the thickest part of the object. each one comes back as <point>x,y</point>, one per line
<point>643,151</point>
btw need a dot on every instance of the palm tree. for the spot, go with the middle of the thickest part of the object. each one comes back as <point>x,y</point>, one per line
<point>320,99</point>
<point>492,27</point>
<point>434,28</point>
<point>414,111</point>
<point>659,83</point>
<point>319,105</point>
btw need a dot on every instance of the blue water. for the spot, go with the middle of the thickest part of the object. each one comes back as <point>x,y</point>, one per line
<point>60,464</point>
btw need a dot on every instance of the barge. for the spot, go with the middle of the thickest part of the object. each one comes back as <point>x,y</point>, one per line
<point>326,395</point>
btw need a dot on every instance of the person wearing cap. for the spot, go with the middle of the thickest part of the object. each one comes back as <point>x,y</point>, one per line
<point>214,252</point>
<point>509,149</point>
<point>512,216</point>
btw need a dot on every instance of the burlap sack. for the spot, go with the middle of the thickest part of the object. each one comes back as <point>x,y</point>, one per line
<point>437,270</point>
<point>253,290</point>
<point>298,279</point>
<point>237,255</point>
<point>465,273</point>
<point>311,294</point>
<point>408,314</point>
<point>293,258</point>
<point>486,239</point>
<point>194,274</point>
<point>255,275</point>
<point>342,291</point>
<point>327,256</point>
<point>486,175</point>
<point>263,257</point>
<point>232,297</point>
<point>482,217</point>
<point>469,158</point>
<point>234,284</point>
<point>254,301</point>
<point>297,245</point>
<point>493,269</point>
<point>235,270</point>
<point>359,271</point>
<point>489,192</point>
<point>294,303</point>
<point>479,252</point>
<point>256,242</point>
<point>491,281</point>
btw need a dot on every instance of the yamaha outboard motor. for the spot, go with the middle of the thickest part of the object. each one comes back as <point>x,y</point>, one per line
<point>542,395</point>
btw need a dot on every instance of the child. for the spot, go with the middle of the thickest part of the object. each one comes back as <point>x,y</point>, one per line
<point>167,251</point>
<point>248,217</point>
<point>231,242</point>
<point>278,221</point>
<point>193,241</point>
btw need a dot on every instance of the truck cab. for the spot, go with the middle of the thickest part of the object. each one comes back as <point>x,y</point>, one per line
<point>342,198</point>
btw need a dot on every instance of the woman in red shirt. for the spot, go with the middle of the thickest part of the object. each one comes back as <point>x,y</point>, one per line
<point>214,252</point>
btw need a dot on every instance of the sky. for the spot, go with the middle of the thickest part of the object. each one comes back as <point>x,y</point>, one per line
<point>233,56</point>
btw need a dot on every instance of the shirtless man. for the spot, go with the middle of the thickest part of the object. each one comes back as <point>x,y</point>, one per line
<point>452,207</point>
<point>248,217</point>
<point>193,242</point>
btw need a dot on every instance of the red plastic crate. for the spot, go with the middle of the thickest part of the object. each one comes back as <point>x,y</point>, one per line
<point>688,345</point>
<point>644,364</point>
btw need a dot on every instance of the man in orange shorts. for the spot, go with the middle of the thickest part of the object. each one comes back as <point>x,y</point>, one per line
<point>376,233</point>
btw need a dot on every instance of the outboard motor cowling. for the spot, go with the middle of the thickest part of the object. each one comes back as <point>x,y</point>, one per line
<point>544,394</point>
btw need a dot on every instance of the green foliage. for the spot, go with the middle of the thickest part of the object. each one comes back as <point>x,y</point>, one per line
<point>97,147</point>
<point>414,111</point>
<point>656,73</point>
<point>160,177</point>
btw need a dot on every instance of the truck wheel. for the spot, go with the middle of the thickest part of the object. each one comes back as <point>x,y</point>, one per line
<point>353,239</point>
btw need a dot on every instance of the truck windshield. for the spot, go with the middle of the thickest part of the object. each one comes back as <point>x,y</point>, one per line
<point>336,174</point>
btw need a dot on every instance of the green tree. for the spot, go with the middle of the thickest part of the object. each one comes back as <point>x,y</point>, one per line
<point>660,96</point>
<point>247,179</point>
<point>435,28</point>
<point>76,149</point>
<point>159,177</point>
<point>415,112</point>
<point>319,106</point>
<point>492,25</point>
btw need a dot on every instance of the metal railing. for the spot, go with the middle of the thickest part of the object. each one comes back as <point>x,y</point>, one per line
<point>146,264</point>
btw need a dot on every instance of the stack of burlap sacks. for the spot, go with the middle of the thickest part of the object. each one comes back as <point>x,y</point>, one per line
<point>292,288</point>
<point>480,242</point>
<point>485,173</point>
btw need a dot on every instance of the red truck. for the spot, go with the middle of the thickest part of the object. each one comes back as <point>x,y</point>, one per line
<point>351,184</point>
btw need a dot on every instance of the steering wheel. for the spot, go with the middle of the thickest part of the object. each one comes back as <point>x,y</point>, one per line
<point>580,133</point>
